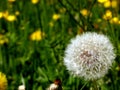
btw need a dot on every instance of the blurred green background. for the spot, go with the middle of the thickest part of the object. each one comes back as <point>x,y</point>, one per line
<point>35,33</point>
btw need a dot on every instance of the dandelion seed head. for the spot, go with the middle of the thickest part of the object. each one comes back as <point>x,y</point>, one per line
<point>89,56</point>
<point>21,87</point>
<point>57,85</point>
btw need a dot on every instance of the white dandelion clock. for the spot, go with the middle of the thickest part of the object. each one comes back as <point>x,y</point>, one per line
<point>89,56</point>
<point>56,85</point>
<point>21,87</point>
<point>53,87</point>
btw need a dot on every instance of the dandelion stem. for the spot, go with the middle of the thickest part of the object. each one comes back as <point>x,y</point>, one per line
<point>84,86</point>
<point>95,85</point>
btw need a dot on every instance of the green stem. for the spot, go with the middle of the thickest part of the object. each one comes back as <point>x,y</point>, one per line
<point>84,86</point>
<point>95,85</point>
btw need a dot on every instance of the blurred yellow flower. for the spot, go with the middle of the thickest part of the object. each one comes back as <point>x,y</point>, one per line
<point>11,18</point>
<point>107,4</point>
<point>114,3</point>
<point>84,12</point>
<point>34,1</point>
<point>11,0</point>
<point>5,14</point>
<point>17,13</point>
<point>3,81</point>
<point>1,14</point>
<point>117,68</point>
<point>99,20</point>
<point>51,24</point>
<point>62,10</point>
<point>37,35</point>
<point>119,22</point>
<point>114,20</point>
<point>3,39</point>
<point>102,1</point>
<point>56,16</point>
<point>107,15</point>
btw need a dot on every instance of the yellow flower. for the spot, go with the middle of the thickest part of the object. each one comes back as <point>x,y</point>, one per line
<point>115,20</point>
<point>11,18</point>
<point>51,24</point>
<point>56,16</point>
<point>99,20</point>
<point>114,3</point>
<point>5,14</point>
<point>1,14</point>
<point>102,1</point>
<point>34,1</point>
<point>117,68</point>
<point>84,12</point>
<point>107,4</point>
<point>37,35</point>
<point>3,81</point>
<point>3,39</point>
<point>11,0</point>
<point>62,10</point>
<point>17,13</point>
<point>108,15</point>
<point>119,22</point>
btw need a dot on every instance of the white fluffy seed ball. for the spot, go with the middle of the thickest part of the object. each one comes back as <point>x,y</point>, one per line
<point>89,56</point>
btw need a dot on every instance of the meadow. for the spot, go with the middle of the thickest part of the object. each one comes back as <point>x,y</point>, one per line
<point>34,35</point>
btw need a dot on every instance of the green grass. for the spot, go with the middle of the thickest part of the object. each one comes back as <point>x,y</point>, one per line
<point>39,63</point>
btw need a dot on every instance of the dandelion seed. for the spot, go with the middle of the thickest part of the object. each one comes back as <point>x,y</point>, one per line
<point>3,81</point>
<point>89,56</point>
